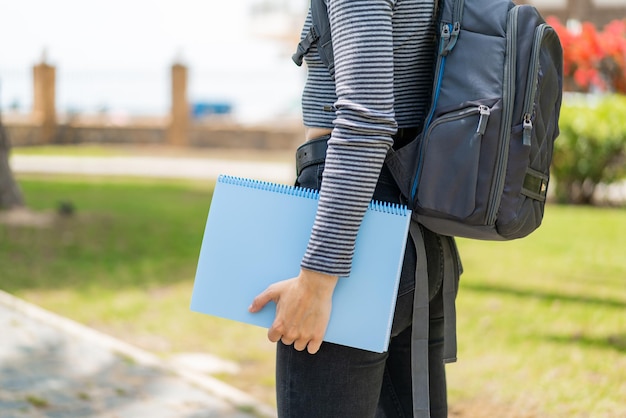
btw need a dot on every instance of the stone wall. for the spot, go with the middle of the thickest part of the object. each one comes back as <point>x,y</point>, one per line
<point>44,126</point>
<point>25,132</point>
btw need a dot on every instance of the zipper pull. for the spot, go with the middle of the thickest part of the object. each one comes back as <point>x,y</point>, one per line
<point>528,129</point>
<point>445,38</point>
<point>482,121</point>
<point>456,29</point>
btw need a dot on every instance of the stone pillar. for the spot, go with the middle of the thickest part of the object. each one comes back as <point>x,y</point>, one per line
<point>178,129</point>
<point>44,109</point>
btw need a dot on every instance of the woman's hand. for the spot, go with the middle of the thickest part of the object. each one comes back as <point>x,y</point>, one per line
<point>303,306</point>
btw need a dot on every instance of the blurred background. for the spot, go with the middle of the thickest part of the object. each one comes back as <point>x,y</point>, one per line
<point>116,117</point>
<point>114,56</point>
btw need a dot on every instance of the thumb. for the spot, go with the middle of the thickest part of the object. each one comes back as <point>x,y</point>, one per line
<point>261,300</point>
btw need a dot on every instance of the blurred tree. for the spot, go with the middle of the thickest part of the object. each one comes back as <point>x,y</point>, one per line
<point>10,194</point>
<point>591,148</point>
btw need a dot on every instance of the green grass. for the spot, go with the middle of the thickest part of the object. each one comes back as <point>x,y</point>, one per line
<point>37,401</point>
<point>541,321</point>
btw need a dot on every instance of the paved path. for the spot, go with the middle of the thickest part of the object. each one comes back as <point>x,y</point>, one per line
<point>53,367</point>
<point>199,168</point>
<point>165,167</point>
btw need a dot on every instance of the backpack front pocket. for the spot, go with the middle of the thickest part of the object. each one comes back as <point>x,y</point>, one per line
<point>456,154</point>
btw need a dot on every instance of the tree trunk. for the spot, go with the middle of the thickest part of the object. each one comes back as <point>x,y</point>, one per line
<point>575,192</point>
<point>10,194</point>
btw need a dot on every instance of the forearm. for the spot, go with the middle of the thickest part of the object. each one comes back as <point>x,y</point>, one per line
<point>364,124</point>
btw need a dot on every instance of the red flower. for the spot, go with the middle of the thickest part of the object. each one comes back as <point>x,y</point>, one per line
<point>591,59</point>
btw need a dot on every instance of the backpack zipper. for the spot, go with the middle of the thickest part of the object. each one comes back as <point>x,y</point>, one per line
<point>449,35</point>
<point>441,64</point>
<point>459,5</point>
<point>483,113</point>
<point>531,86</point>
<point>439,69</point>
<point>508,94</point>
<point>455,28</point>
<point>454,36</point>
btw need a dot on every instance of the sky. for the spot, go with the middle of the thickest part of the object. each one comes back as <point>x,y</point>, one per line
<point>116,54</point>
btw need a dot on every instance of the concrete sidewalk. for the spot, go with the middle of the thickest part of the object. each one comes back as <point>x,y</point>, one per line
<point>153,166</point>
<point>53,367</point>
<point>202,168</point>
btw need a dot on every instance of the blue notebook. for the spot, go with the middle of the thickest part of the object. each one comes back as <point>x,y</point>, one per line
<point>256,234</point>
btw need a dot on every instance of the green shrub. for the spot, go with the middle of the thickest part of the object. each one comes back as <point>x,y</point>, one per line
<point>591,148</point>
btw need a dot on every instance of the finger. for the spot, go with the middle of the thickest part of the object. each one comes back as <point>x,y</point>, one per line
<point>286,341</point>
<point>314,346</point>
<point>274,334</point>
<point>261,300</point>
<point>300,345</point>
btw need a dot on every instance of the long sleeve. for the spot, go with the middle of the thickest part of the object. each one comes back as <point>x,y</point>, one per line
<point>368,45</point>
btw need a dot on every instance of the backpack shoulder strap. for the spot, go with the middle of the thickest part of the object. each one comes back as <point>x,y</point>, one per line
<point>318,33</point>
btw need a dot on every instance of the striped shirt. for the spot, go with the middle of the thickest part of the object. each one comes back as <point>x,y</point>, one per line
<point>383,63</point>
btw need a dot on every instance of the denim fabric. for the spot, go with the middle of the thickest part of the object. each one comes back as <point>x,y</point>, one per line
<point>344,382</point>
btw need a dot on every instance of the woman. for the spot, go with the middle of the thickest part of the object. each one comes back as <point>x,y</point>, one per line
<point>383,52</point>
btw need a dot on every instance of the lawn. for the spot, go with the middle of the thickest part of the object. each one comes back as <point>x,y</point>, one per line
<point>542,321</point>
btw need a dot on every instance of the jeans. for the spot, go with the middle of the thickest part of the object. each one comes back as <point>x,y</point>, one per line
<point>344,382</point>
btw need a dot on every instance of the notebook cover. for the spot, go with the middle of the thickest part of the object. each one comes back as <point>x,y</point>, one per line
<point>256,234</point>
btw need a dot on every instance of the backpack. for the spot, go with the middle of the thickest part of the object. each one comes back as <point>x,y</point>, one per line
<point>481,165</point>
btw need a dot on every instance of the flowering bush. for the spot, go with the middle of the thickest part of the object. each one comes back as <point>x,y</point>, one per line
<point>593,61</point>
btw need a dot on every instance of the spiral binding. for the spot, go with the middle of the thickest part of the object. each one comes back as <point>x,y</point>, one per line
<point>375,205</point>
<point>388,207</point>
<point>269,186</point>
